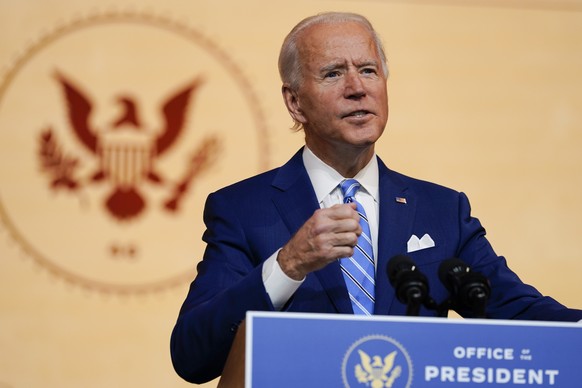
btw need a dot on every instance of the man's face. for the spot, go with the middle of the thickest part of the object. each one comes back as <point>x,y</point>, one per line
<point>342,99</point>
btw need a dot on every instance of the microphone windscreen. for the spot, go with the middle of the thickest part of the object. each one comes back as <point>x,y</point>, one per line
<point>396,265</point>
<point>451,267</point>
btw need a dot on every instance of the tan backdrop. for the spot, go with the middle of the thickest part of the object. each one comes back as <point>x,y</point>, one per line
<point>485,97</point>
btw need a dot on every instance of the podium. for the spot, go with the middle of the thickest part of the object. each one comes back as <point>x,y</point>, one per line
<point>283,350</point>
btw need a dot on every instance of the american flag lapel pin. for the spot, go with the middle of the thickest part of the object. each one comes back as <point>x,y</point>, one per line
<point>401,200</point>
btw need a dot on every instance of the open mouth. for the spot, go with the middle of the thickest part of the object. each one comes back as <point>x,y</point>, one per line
<point>358,113</point>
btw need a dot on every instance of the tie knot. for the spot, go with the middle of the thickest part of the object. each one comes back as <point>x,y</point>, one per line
<point>349,188</point>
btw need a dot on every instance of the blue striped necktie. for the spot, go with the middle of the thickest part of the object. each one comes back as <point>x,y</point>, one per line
<point>358,269</point>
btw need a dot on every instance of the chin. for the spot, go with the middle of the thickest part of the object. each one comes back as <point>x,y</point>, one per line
<point>366,137</point>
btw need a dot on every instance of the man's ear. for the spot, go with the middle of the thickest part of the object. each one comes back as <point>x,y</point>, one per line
<point>292,103</point>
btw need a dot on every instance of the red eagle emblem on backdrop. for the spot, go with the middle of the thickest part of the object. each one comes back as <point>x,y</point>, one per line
<point>126,149</point>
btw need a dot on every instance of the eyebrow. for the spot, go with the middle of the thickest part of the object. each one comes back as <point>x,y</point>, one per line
<point>342,65</point>
<point>333,66</point>
<point>367,63</point>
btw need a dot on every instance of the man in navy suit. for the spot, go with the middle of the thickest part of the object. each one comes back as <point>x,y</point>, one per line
<point>274,241</point>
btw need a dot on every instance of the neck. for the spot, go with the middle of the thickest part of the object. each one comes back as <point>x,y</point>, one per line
<point>348,161</point>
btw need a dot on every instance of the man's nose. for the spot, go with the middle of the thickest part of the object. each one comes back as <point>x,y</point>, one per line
<point>354,87</point>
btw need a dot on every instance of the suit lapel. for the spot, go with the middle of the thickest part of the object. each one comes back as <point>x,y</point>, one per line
<point>335,286</point>
<point>296,202</point>
<point>397,212</point>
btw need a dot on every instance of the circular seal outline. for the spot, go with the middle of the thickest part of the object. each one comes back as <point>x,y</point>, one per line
<point>157,21</point>
<point>382,338</point>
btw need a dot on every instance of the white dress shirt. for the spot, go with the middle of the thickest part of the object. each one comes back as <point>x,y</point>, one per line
<point>325,181</point>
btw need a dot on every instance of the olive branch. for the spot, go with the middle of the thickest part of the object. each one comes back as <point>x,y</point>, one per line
<point>55,163</point>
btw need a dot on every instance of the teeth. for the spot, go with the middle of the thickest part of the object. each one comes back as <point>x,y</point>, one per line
<point>359,113</point>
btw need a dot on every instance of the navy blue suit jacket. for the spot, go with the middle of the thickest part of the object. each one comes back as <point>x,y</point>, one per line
<point>248,221</point>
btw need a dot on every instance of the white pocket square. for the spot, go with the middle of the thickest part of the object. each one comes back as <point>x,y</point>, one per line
<point>415,244</point>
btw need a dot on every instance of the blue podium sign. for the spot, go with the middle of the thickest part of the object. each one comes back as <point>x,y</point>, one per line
<point>325,350</point>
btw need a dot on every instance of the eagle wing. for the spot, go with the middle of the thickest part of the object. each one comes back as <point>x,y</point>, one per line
<point>366,361</point>
<point>388,362</point>
<point>174,112</point>
<point>79,109</point>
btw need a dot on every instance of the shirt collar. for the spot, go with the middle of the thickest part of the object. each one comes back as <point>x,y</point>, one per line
<point>325,179</point>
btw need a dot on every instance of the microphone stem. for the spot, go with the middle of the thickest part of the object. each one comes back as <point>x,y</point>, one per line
<point>414,302</point>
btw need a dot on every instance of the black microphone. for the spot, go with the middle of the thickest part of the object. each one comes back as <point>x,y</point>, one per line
<point>469,290</point>
<point>410,284</point>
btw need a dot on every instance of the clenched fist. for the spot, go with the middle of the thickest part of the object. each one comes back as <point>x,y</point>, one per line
<point>329,234</point>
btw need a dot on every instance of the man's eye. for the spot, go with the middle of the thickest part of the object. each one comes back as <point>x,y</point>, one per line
<point>332,74</point>
<point>368,70</point>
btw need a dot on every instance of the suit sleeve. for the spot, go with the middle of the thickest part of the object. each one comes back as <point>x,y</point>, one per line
<point>510,297</point>
<point>228,284</point>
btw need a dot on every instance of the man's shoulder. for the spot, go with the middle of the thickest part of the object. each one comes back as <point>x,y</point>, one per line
<point>274,179</point>
<point>255,183</point>
<point>407,182</point>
